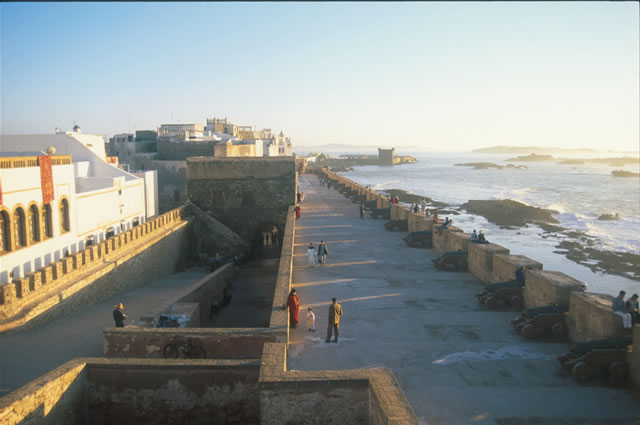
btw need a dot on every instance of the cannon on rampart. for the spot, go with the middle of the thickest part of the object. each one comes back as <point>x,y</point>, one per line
<point>456,260</point>
<point>507,293</point>
<point>540,321</point>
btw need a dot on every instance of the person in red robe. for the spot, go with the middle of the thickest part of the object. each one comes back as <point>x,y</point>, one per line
<point>294,305</point>
<point>297,209</point>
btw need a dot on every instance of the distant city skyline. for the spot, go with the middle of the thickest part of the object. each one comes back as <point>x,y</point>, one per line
<point>442,76</point>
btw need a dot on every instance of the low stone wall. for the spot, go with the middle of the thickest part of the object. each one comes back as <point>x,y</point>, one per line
<point>59,397</point>
<point>458,241</point>
<point>442,236</point>
<point>202,292</point>
<point>505,266</point>
<point>15,296</point>
<point>481,260</point>
<point>279,321</point>
<point>361,396</point>
<point>590,318</point>
<point>218,343</point>
<point>545,287</point>
<point>418,222</point>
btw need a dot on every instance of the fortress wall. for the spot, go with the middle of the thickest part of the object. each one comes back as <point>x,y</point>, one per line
<point>58,397</point>
<point>417,222</point>
<point>243,193</point>
<point>360,396</point>
<point>481,260</point>
<point>590,318</point>
<point>440,237</point>
<point>124,261</point>
<point>279,321</point>
<point>458,241</point>
<point>451,240</point>
<point>543,287</point>
<point>505,266</point>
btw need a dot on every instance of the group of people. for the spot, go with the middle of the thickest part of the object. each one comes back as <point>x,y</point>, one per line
<point>478,237</point>
<point>333,321</point>
<point>627,310</point>
<point>322,253</point>
<point>300,197</point>
<point>419,207</point>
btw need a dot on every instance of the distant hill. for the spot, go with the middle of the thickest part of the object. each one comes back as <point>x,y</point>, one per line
<point>516,150</point>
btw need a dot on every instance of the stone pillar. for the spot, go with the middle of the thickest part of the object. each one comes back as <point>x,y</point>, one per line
<point>544,287</point>
<point>506,265</point>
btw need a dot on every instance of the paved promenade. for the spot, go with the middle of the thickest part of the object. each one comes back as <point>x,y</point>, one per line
<point>27,355</point>
<point>457,363</point>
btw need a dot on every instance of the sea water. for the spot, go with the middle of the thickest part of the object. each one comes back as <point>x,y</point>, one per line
<point>579,194</point>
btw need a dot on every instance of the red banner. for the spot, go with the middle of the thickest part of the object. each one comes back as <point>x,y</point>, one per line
<point>46,178</point>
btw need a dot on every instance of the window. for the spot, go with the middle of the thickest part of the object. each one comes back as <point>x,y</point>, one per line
<point>47,229</point>
<point>19,228</point>
<point>5,237</point>
<point>64,216</point>
<point>34,227</point>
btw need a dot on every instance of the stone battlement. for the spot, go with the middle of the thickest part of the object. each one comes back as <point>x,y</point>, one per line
<point>24,299</point>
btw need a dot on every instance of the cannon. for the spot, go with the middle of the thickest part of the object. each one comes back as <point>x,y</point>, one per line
<point>370,205</point>
<point>541,321</point>
<point>605,357</point>
<point>381,212</point>
<point>420,238</point>
<point>456,259</point>
<point>356,198</point>
<point>507,293</point>
<point>400,224</point>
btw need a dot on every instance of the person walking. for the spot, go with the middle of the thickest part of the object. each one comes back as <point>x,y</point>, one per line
<point>298,196</point>
<point>311,253</point>
<point>301,197</point>
<point>311,320</point>
<point>323,251</point>
<point>118,316</point>
<point>297,210</point>
<point>335,311</point>
<point>293,303</point>
<point>361,212</point>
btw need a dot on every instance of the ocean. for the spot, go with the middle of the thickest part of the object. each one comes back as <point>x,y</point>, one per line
<point>579,194</point>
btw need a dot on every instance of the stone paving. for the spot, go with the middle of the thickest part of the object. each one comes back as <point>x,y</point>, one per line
<point>456,362</point>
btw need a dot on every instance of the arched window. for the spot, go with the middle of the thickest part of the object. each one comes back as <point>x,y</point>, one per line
<point>19,228</point>
<point>34,225</point>
<point>47,229</point>
<point>5,236</point>
<point>64,216</point>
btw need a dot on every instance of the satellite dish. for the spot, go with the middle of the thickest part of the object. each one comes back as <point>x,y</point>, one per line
<point>51,150</point>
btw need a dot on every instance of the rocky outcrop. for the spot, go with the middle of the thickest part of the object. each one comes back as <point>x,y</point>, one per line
<point>507,213</point>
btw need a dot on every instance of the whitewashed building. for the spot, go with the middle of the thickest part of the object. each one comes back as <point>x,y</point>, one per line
<point>85,199</point>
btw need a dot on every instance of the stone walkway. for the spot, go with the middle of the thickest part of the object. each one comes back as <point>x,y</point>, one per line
<point>457,363</point>
<point>27,355</point>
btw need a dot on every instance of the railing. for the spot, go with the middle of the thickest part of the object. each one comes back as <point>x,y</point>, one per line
<point>32,161</point>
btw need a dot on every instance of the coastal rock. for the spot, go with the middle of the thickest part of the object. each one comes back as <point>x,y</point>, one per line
<point>407,197</point>
<point>609,217</point>
<point>480,165</point>
<point>623,173</point>
<point>507,212</point>
<point>532,158</point>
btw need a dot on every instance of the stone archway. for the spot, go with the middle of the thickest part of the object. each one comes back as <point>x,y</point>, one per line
<point>268,240</point>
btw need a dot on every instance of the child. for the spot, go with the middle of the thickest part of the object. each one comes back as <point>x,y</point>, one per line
<point>311,320</point>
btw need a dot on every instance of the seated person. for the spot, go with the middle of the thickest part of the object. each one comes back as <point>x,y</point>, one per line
<point>474,236</point>
<point>427,213</point>
<point>631,308</point>
<point>618,308</point>
<point>481,238</point>
<point>520,274</point>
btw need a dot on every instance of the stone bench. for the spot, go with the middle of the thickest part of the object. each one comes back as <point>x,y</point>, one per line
<point>590,318</point>
<point>545,287</point>
<point>506,265</point>
<point>481,260</point>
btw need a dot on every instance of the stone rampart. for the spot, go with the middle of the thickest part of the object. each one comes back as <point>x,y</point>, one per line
<point>441,237</point>
<point>246,194</point>
<point>505,266</point>
<point>124,261</point>
<point>545,287</point>
<point>279,321</point>
<point>458,241</point>
<point>418,222</point>
<point>360,396</point>
<point>591,318</point>
<point>481,260</point>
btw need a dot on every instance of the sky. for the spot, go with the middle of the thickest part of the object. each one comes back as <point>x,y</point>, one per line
<point>438,76</point>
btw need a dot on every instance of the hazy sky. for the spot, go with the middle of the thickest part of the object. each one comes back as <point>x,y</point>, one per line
<point>439,75</point>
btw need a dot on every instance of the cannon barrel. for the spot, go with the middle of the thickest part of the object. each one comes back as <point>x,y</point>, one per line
<point>609,343</point>
<point>506,284</point>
